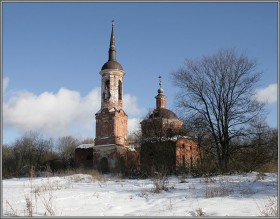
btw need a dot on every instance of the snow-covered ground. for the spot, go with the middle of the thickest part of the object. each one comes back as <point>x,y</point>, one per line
<point>84,195</point>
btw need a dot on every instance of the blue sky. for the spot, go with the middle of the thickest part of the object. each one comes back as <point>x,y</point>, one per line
<point>53,52</point>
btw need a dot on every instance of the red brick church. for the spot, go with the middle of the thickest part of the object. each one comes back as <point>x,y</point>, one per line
<point>111,151</point>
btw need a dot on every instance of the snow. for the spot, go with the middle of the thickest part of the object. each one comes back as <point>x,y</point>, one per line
<point>85,146</point>
<point>156,139</point>
<point>104,145</point>
<point>131,147</point>
<point>97,195</point>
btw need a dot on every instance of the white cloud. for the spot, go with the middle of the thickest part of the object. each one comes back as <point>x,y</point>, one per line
<point>133,125</point>
<point>130,105</point>
<point>63,113</point>
<point>5,83</point>
<point>132,109</point>
<point>267,94</point>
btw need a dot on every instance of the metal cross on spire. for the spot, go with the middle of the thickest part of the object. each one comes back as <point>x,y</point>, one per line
<point>160,83</point>
<point>160,90</point>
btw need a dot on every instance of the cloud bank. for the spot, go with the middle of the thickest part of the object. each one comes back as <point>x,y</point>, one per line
<point>5,83</point>
<point>63,113</point>
<point>267,94</point>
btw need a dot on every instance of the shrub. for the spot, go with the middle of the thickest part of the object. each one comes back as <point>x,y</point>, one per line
<point>200,212</point>
<point>160,181</point>
<point>270,208</point>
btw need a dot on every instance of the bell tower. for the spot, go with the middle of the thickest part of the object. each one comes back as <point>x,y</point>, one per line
<point>111,120</point>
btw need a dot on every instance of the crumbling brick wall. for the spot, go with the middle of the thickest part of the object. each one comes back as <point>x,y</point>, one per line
<point>187,153</point>
<point>84,157</point>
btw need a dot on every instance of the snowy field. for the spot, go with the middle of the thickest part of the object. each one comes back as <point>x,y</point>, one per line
<point>250,194</point>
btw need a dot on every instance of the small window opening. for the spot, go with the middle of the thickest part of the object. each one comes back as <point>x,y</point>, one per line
<point>106,94</point>
<point>90,157</point>
<point>120,90</point>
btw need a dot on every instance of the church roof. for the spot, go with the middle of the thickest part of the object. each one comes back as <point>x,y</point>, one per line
<point>163,113</point>
<point>112,65</point>
<point>112,61</point>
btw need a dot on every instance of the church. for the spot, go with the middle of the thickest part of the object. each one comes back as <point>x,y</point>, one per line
<point>161,144</point>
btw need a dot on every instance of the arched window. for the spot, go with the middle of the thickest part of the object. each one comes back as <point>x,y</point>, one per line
<point>122,165</point>
<point>184,160</point>
<point>104,165</point>
<point>107,129</point>
<point>106,94</point>
<point>120,90</point>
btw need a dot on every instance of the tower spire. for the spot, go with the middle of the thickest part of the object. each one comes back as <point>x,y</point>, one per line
<point>160,90</point>
<point>112,60</point>
<point>160,98</point>
<point>112,49</point>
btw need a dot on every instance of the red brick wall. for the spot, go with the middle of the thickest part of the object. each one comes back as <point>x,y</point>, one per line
<point>111,127</point>
<point>161,101</point>
<point>84,157</point>
<point>189,149</point>
<point>114,154</point>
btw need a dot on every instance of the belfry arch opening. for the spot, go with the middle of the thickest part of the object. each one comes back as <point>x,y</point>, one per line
<point>104,165</point>
<point>120,90</point>
<point>106,93</point>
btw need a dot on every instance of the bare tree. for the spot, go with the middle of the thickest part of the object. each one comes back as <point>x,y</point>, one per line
<point>8,161</point>
<point>66,147</point>
<point>30,150</point>
<point>258,149</point>
<point>220,89</point>
<point>197,129</point>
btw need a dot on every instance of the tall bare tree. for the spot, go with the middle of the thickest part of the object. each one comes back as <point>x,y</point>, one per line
<point>29,150</point>
<point>66,147</point>
<point>220,89</point>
